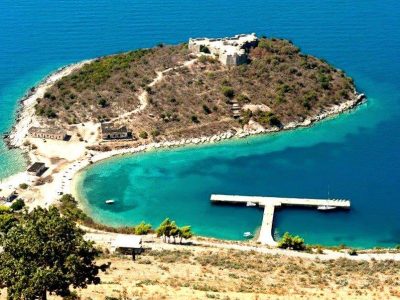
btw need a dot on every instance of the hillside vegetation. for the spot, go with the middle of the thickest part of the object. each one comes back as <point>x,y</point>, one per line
<point>106,87</point>
<point>230,274</point>
<point>279,85</point>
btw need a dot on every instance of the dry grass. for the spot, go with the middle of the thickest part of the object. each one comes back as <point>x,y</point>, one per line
<point>115,80</point>
<point>230,274</point>
<point>292,85</point>
<point>212,273</point>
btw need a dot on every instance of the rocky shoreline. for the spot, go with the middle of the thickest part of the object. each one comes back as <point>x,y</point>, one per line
<point>25,115</point>
<point>245,132</point>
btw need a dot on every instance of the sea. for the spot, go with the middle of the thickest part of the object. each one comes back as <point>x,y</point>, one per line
<point>354,156</point>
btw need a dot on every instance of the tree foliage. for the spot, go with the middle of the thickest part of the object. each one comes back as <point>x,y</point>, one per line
<point>291,242</point>
<point>45,252</point>
<point>18,205</point>
<point>168,229</point>
<point>186,232</point>
<point>143,228</point>
<point>69,208</point>
<point>7,219</point>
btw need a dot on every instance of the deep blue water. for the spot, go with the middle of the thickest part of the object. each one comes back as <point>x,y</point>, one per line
<point>354,156</point>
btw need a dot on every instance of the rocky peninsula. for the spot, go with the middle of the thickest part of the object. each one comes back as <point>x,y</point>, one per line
<point>169,96</point>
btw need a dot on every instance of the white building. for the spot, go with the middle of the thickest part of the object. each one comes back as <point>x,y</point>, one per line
<point>230,50</point>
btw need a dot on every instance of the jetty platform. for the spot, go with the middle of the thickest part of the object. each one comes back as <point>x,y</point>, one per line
<point>270,203</point>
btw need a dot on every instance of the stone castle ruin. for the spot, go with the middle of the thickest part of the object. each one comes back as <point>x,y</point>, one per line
<point>231,51</point>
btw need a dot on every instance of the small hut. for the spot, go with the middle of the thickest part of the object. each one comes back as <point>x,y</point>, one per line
<point>37,169</point>
<point>127,244</point>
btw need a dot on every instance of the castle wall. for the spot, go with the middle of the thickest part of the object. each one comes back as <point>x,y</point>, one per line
<point>230,51</point>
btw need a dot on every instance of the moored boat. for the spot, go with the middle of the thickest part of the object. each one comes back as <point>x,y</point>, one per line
<point>325,207</point>
<point>109,201</point>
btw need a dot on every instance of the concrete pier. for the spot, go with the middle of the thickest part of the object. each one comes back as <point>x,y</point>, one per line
<point>269,204</point>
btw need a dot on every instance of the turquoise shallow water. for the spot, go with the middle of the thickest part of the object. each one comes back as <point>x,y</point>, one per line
<point>354,156</point>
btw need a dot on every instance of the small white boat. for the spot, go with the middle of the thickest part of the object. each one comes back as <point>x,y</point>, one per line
<point>249,203</point>
<point>247,234</point>
<point>325,207</point>
<point>109,201</point>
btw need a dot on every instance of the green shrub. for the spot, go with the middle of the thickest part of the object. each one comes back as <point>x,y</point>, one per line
<point>266,44</point>
<point>51,114</point>
<point>266,118</point>
<point>246,116</point>
<point>242,98</point>
<point>353,252</point>
<point>143,228</point>
<point>310,98</point>
<point>205,58</point>
<point>155,132</point>
<point>206,109</point>
<point>195,119</point>
<point>17,205</point>
<point>143,135</point>
<point>23,186</point>
<point>103,102</point>
<point>45,111</point>
<point>284,88</point>
<point>211,75</point>
<point>324,81</point>
<point>228,91</point>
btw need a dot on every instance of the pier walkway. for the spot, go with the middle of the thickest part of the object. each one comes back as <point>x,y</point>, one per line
<point>269,204</point>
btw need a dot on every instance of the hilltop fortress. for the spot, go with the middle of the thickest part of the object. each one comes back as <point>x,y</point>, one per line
<point>231,51</point>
